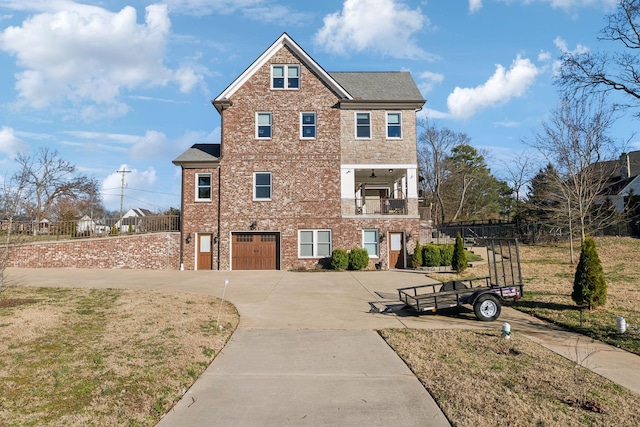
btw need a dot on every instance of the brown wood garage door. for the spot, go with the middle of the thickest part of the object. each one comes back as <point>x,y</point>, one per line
<point>252,251</point>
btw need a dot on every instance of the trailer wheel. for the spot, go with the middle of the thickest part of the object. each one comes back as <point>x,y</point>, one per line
<point>487,308</point>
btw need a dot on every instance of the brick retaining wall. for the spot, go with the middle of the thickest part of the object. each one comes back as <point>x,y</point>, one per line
<point>157,251</point>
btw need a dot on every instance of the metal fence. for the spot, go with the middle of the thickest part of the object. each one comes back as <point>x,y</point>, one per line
<point>86,227</point>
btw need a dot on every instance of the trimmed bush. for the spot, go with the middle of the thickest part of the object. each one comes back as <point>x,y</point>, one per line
<point>446,255</point>
<point>416,259</point>
<point>358,259</point>
<point>459,258</point>
<point>431,255</point>
<point>589,287</point>
<point>339,260</point>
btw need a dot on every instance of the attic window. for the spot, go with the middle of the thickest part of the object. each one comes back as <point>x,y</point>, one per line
<point>285,76</point>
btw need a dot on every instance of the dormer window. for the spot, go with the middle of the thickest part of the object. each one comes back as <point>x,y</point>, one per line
<point>285,76</point>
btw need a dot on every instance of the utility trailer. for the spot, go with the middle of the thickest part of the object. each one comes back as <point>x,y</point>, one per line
<point>484,294</point>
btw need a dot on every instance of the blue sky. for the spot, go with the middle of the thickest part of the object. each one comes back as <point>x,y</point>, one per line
<point>116,84</point>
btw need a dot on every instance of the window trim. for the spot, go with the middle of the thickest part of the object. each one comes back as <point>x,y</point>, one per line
<point>377,241</point>
<point>257,130</point>
<point>285,76</point>
<point>368,113</point>
<point>315,243</point>
<point>197,189</point>
<point>315,125</point>
<point>399,125</point>
<point>255,187</point>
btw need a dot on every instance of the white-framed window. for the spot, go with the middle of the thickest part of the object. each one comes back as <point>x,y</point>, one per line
<point>203,187</point>
<point>285,77</point>
<point>262,186</point>
<point>371,243</point>
<point>363,125</point>
<point>314,243</point>
<point>394,125</point>
<point>308,125</point>
<point>263,125</point>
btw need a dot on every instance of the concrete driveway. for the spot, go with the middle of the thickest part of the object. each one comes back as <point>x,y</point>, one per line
<point>306,351</point>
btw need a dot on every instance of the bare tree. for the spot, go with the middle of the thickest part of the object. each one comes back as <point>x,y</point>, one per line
<point>50,178</point>
<point>615,70</point>
<point>575,141</point>
<point>12,193</point>
<point>434,146</point>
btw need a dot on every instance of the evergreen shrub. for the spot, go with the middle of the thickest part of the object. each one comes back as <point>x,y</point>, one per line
<point>339,260</point>
<point>431,255</point>
<point>358,259</point>
<point>589,286</point>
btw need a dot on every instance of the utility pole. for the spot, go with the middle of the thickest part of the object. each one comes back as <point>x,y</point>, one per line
<point>123,171</point>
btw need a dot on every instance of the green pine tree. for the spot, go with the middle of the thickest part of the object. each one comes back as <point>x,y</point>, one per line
<point>589,287</point>
<point>416,259</point>
<point>459,259</point>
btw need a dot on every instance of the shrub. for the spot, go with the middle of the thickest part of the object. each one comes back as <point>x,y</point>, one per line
<point>431,255</point>
<point>589,287</point>
<point>114,230</point>
<point>339,260</point>
<point>358,259</point>
<point>459,258</point>
<point>416,259</point>
<point>446,255</point>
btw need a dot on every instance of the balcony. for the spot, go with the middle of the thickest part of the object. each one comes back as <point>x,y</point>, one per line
<point>380,206</point>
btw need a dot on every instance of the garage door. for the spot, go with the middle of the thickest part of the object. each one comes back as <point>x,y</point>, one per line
<point>251,251</point>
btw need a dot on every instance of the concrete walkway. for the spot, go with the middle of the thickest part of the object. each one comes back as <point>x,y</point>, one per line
<point>306,351</point>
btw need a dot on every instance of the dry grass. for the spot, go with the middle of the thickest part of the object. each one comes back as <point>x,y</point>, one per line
<point>548,278</point>
<point>479,379</point>
<point>71,357</point>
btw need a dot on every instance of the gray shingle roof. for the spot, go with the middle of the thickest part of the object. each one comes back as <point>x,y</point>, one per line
<point>379,86</point>
<point>200,153</point>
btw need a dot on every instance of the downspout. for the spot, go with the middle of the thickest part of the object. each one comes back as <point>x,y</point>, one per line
<point>182,219</point>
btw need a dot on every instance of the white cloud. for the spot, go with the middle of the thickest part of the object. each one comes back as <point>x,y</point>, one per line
<point>544,56</point>
<point>475,5</point>
<point>134,179</point>
<point>383,26</point>
<point>9,143</point>
<point>427,80</point>
<point>207,7</point>
<point>89,55</point>
<point>429,113</point>
<point>499,89</point>
<point>569,4</point>
<point>562,46</point>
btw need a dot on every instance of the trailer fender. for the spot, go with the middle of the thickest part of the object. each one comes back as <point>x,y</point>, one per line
<point>472,299</point>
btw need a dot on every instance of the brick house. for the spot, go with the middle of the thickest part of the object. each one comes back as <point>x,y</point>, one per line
<point>309,161</point>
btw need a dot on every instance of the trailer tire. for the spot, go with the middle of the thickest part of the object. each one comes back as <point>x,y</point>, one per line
<point>487,307</point>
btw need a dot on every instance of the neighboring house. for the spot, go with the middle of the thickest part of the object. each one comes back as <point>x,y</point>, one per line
<point>86,226</point>
<point>132,220</point>
<point>626,180</point>
<point>309,161</point>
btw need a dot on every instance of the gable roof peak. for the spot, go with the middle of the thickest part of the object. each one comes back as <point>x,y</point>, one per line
<point>282,41</point>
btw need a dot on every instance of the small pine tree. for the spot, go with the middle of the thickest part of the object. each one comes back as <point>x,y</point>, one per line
<point>416,259</point>
<point>459,258</point>
<point>589,287</point>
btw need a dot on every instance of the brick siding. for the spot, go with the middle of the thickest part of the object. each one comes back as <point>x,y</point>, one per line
<point>158,251</point>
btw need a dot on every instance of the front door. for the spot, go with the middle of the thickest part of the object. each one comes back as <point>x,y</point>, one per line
<point>205,251</point>
<point>396,250</point>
